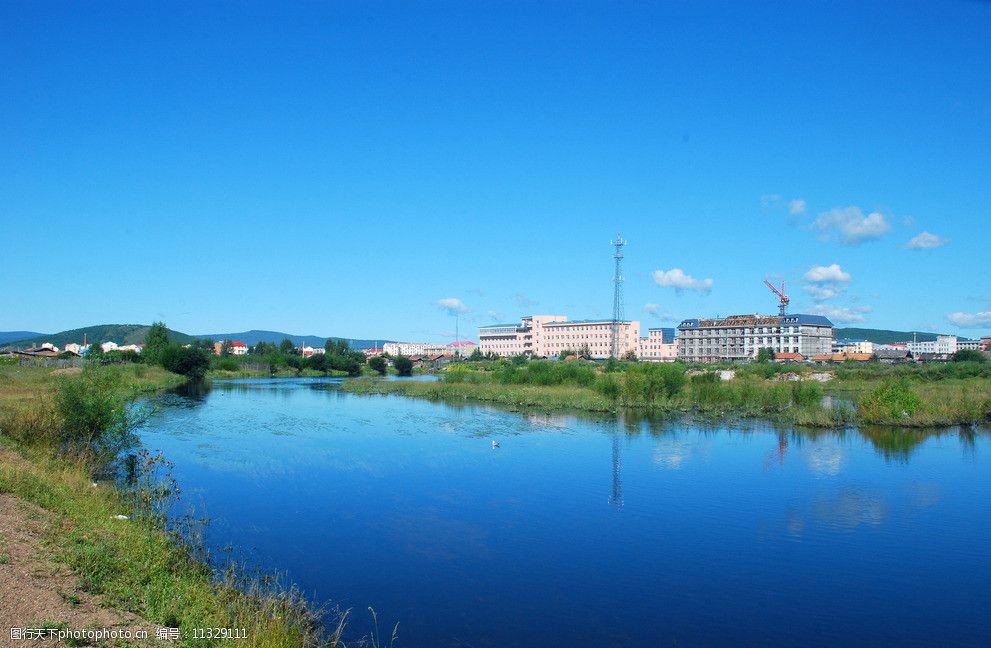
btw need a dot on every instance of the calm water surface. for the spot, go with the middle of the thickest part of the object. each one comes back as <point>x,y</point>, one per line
<point>590,531</point>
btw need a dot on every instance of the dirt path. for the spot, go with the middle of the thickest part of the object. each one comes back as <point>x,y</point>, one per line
<point>36,593</point>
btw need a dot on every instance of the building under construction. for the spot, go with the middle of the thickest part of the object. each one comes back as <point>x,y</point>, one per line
<point>740,337</point>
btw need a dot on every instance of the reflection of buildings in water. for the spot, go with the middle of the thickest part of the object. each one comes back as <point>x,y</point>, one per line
<point>671,453</point>
<point>826,457</point>
<point>852,507</point>
<point>558,421</point>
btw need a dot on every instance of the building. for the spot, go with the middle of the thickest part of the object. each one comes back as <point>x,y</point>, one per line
<point>986,343</point>
<point>464,348</point>
<point>74,348</point>
<point>545,336</point>
<point>595,335</point>
<point>108,346</point>
<point>963,344</point>
<point>658,346</point>
<point>942,345</point>
<point>414,348</point>
<point>850,345</point>
<point>740,337</point>
<point>515,339</point>
<point>305,351</point>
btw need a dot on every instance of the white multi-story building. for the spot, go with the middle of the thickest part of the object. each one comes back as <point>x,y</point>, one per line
<point>848,345</point>
<point>108,346</point>
<point>740,337</point>
<point>658,346</point>
<point>968,345</point>
<point>943,344</point>
<point>544,336</point>
<point>414,348</point>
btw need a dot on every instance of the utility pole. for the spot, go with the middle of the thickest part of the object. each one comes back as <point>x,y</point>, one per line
<point>617,300</point>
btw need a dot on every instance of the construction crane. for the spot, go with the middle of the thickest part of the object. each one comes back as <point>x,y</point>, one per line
<point>783,299</point>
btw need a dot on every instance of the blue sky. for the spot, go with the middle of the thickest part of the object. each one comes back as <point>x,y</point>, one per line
<point>341,169</point>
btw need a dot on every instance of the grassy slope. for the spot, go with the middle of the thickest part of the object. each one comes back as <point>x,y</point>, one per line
<point>134,566</point>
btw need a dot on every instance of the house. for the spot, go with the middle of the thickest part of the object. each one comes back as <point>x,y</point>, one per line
<point>108,346</point>
<point>238,348</point>
<point>892,356</point>
<point>308,351</point>
<point>373,352</point>
<point>786,356</point>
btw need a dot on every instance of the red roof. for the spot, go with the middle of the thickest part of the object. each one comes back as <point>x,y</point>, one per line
<point>238,344</point>
<point>462,343</point>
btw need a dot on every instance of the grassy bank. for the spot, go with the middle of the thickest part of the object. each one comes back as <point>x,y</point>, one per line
<point>134,564</point>
<point>881,395</point>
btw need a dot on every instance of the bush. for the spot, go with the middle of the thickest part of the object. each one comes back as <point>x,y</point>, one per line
<point>379,365</point>
<point>891,400</point>
<point>185,361</point>
<point>403,365</point>
<point>969,355</point>
<point>95,421</point>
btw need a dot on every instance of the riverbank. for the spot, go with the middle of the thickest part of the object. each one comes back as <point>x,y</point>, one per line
<point>127,562</point>
<point>882,398</point>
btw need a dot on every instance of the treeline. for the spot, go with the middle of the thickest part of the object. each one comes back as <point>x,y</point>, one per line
<point>338,358</point>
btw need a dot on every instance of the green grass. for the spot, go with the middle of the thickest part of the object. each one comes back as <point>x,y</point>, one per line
<point>134,565</point>
<point>956,393</point>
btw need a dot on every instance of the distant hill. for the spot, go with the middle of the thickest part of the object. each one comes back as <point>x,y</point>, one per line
<point>253,337</point>
<point>119,333</point>
<point>13,336</point>
<point>881,336</point>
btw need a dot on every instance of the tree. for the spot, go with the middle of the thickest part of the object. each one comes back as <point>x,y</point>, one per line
<point>379,364</point>
<point>225,348</point>
<point>476,355</point>
<point>186,361</point>
<point>287,347</point>
<point>403,365</point>
<point>969,355</point>
<point>585,353</point>
<point>765,354</point>
<point>631,356</point>
<point>156,340</point>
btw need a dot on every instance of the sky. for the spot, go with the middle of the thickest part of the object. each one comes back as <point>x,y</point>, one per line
<point>402,170</point>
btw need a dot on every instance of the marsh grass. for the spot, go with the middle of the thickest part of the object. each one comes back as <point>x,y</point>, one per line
<point>879,394</point>
<point>134,564</point>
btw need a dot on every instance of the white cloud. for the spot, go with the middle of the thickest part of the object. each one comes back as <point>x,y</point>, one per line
<point>821,292</point>
<point>926,241</point>
<point>524,301</point>
<point>493,315</point>
<point>657,311</point>
<point>452,305</point>
<point>971,320</point>
<point>850,226</point>
<point>842,315</point>
<point>826,282</point>
<point>770,200</point>
<point>796,207</point>
<point>832,273</point>
<point>677,279</point>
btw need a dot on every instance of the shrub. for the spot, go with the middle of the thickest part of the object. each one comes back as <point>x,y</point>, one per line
<point>893,399</point>
<point>403,365</point>
<point>379,365</point>
<point>95,420</point>
<point>185,361</point>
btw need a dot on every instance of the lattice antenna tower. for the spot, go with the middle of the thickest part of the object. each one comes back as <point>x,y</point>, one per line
<point>617,299</point>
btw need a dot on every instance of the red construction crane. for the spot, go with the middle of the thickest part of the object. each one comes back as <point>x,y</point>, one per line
<point>782,297</point>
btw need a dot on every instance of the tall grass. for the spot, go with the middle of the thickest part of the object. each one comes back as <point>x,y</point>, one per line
<point>50,429</point>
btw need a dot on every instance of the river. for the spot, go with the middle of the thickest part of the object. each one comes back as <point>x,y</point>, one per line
<point>588,530</point>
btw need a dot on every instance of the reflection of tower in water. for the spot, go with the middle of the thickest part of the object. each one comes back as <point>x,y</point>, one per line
<point>616,499</point>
